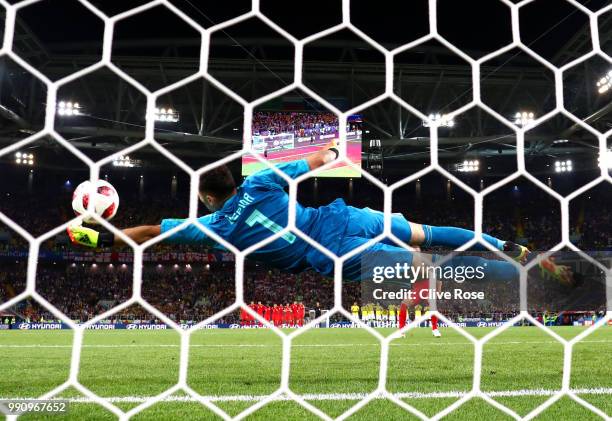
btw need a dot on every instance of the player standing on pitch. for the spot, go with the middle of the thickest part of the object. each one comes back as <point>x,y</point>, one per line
<point>249,213</point>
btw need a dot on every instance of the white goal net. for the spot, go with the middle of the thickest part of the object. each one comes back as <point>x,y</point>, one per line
<point>284,392</point>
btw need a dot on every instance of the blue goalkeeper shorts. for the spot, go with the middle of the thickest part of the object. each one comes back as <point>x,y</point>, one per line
<point>363,225</point>
<point>369,223</point>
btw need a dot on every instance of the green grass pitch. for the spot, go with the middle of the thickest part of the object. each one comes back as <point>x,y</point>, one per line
<point>331,368</point>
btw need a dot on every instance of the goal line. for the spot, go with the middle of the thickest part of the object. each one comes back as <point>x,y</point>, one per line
<point>278,345</point>
<point>336,396</point>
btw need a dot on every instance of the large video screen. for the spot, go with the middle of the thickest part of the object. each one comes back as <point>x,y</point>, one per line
<point>289,136</point>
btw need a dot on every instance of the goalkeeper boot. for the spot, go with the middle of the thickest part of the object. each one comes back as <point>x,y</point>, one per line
<point>516,251</point>
<point>436,333</point>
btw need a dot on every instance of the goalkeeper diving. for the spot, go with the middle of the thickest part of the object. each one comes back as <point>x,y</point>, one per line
<point>246,214</point>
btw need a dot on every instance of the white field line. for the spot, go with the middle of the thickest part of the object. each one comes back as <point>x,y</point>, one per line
<point>419,344</point>
<point>334,396</point>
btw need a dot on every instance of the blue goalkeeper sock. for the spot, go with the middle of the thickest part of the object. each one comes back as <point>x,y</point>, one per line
<point>456,237</point>
<point>492,270</point>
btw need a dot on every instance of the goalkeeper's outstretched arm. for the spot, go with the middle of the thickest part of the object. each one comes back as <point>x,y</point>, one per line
<point>91,238</point>
<point>139,234</point>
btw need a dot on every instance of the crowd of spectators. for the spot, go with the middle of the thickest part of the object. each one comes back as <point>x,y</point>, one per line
<point>530,220</point>
<point>301,124</point>
<point>27,211</point>
<point>81,291</point>
<point>195,292</point>
<point>594,232</point>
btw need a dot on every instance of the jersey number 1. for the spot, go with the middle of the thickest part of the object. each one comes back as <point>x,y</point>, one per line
<point>258,217</point>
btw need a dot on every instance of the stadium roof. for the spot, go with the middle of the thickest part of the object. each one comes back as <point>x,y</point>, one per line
<point>157,48</point>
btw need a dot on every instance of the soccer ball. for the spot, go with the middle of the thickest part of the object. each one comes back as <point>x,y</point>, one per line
<point>104,196</point>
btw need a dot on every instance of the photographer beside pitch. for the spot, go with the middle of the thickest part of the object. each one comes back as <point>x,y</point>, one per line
<point>246,214</point>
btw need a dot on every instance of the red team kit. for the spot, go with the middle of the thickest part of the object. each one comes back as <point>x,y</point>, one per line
<point>288,315</point>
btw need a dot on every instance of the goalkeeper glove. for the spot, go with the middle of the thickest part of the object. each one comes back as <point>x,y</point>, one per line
<point>89,237</point>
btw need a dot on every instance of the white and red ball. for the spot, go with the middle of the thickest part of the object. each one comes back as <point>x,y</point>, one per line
<point>101,194</point>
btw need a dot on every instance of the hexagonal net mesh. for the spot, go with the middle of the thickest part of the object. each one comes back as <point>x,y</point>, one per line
<point>284,392</point>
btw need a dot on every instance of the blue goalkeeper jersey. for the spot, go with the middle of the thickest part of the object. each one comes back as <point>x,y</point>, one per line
<point>258,210</point>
